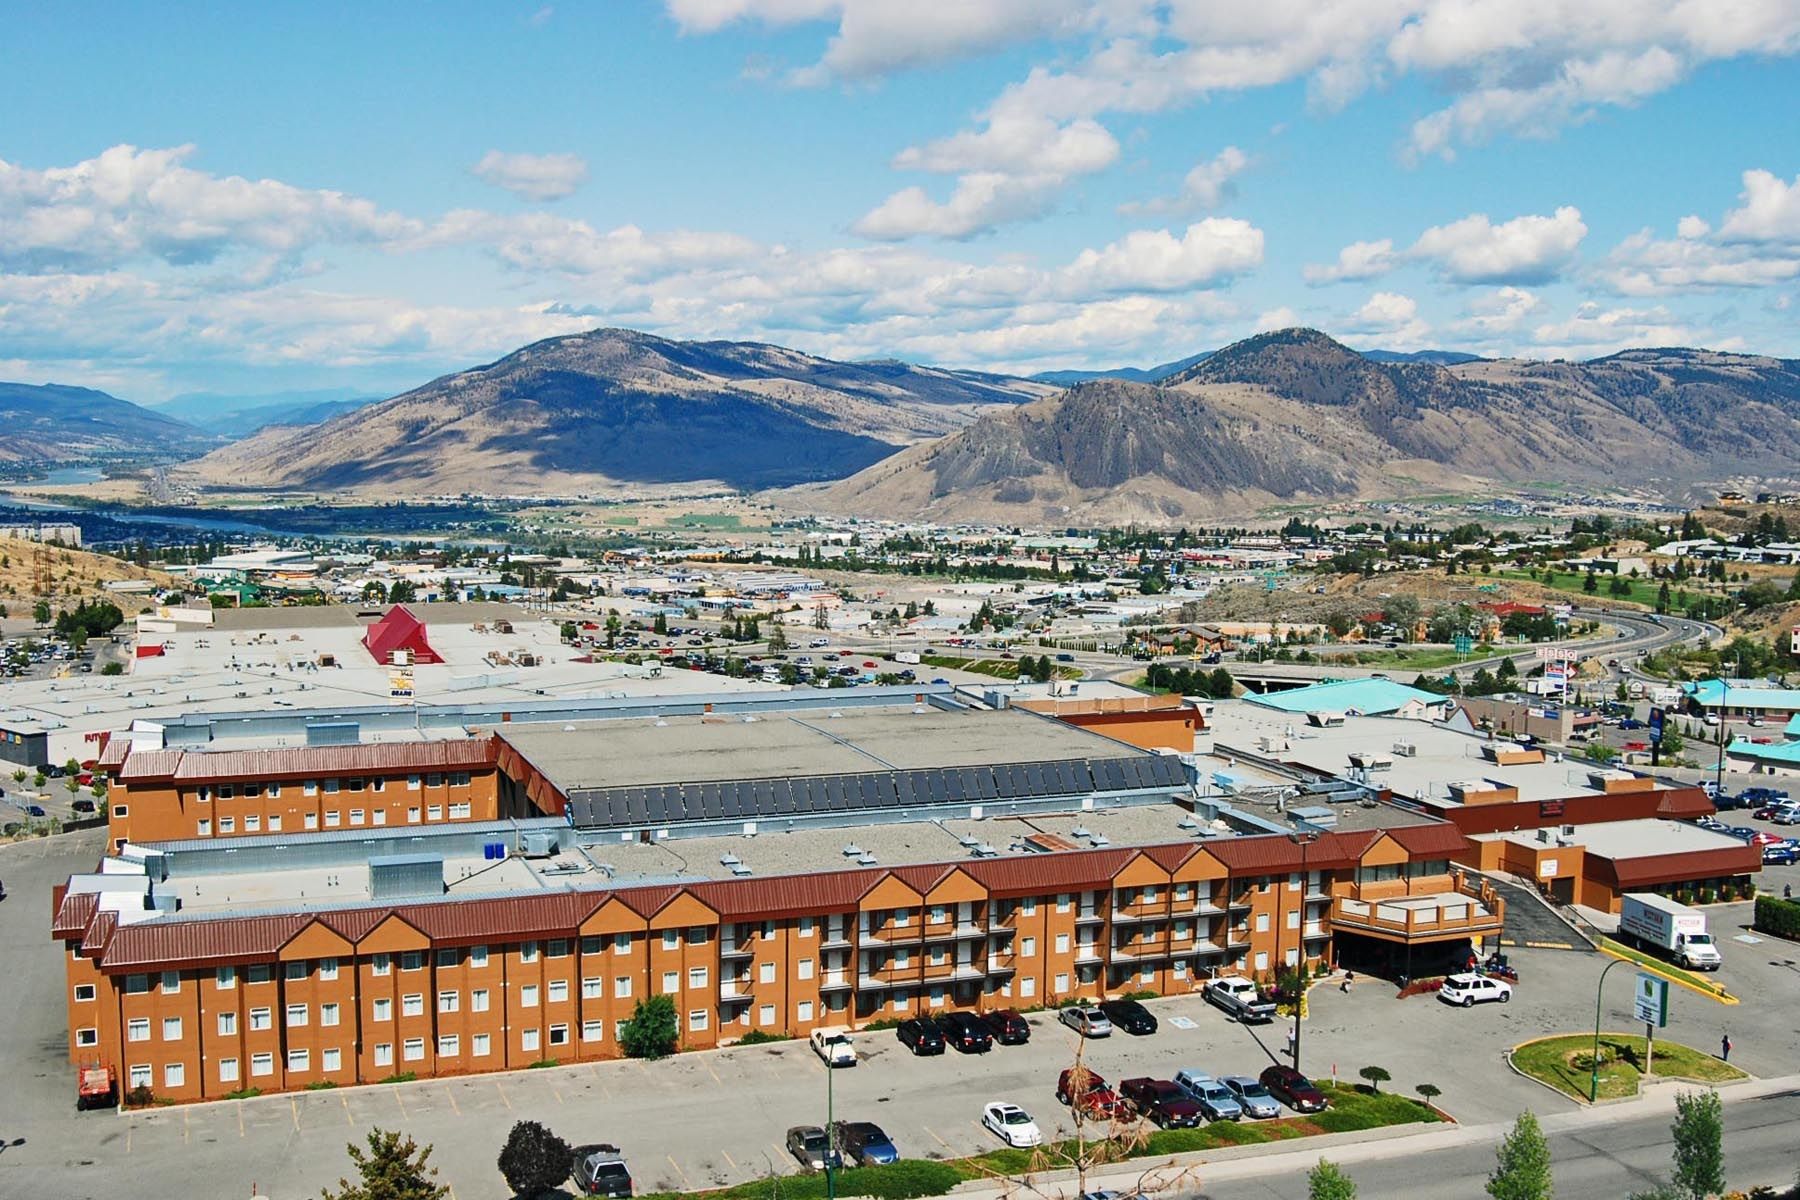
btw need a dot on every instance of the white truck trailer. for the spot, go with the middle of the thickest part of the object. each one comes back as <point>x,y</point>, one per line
<point>1668,929</point>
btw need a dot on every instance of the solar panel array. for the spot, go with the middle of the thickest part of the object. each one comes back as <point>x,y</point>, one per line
<point>761,799</point>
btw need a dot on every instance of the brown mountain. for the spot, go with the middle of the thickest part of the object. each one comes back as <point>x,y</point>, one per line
<point>615,409</point>
<point>1293,416</point>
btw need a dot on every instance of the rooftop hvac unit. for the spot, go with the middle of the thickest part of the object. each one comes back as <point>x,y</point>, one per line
<point>1078,831</point>
<point>853,851</point>
<point>739,870</point>
<point>538,843</point>
<point>1099,839</point>
<point>865,859</point>
<point>985,851</point>
<point>969,840</point>
<point>1568,831</point>
<point>729,860</point>
<point>405,875</point>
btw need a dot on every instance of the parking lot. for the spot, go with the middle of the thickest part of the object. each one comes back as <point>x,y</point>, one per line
<point>720,1117</point>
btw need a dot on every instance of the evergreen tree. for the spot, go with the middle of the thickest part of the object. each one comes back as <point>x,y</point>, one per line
<point>391,1169</point>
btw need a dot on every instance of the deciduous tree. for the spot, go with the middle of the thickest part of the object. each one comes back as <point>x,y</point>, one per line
<point>1522,1171</point>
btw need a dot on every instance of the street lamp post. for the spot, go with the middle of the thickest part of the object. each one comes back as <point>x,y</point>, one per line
<point>1594,1082</point>
<point>1719,771</point>
<point>1303,840</point>
<point>831,1146</point>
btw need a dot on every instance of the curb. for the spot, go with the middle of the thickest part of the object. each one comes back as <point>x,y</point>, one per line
<point>1589,1105</point>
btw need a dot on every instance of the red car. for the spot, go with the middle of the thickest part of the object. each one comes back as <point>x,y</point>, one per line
<point>1764,838</point>
<point>1080,1085</point>
<point>1293,1089</point>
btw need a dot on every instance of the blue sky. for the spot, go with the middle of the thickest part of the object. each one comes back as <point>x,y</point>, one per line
<point>246,199</point>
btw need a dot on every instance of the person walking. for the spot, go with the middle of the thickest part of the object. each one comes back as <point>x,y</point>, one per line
<point>1349,978</point>
<point>1725,1048</point>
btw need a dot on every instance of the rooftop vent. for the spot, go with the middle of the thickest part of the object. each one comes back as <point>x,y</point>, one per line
<point>1100,839</point>
<point>1079,831</point>
<point>729,860</point>
<point>865,859</point>
<point>739,869</point>
<point>985,851</point>
<point>969,839</point>
<point>853,850</point>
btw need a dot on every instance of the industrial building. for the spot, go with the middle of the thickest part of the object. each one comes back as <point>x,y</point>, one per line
<point>768,865</point>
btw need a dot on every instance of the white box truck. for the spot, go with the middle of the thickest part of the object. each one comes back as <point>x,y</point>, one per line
<point>910,657</point>
<point>1673,931</point>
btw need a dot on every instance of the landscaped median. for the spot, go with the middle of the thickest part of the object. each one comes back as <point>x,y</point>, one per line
<point>1352,1109</point>
<point>1566,1063</point>
<point>1674,974</point>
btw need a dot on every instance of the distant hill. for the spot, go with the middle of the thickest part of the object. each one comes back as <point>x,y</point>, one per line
<point>236,416</point>
<point>617,409</point>
<point>55,423</point>
<point>1131,374</point>
<point>1294,416</point>
<point>1443,358</point>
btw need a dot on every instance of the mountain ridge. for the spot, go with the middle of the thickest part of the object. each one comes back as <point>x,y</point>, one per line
<point>56,422</point>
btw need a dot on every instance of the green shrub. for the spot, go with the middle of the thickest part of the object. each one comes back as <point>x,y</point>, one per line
<point>244,1093</point>
<point>543,1062</point>
<point>400,1077</point>
<point>1144,994</point>
<point>757,1037</point>
<point>140,1097</point>
<point>907,1179</point>
<point>1778,917</point>
<point>323,1085</point>
<point>884,1023</point>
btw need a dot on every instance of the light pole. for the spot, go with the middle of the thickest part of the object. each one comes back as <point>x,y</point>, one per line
<point>831,1146</point>
<point>1594,1082</point>
<point>1719,771</point>
<point>1302,840</point>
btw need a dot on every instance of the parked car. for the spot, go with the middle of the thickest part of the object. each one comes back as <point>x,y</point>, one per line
<point>1088,1022</point>
<point>599,1170</point>
<point>1758,796</point>
<point>1783,855</point>
<point>1293,1089</point>
<point>967,1032</point>
<point>1251,1096</point>
<point>1008,1027</point>
<point>1130,1016</point>
<point>1239,997</point>
<point>1214,1098</point>
<point>1011,1124</point>
<point>921,1035</point>
<point>1763,837</point>
<point>809,1145</point>
<point>1160,1101</point>
<point>1468,988</point>
<point>864,1143</point>
<point>1764,812</point>
<point>832,1043</point>
<point>1087,1089</point>
<point>1742,833</point>
<point>35,810</point>
<point>1786,813</point>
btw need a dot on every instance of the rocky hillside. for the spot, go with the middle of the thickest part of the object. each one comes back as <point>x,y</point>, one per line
<point>1293,416</point>
<point>54,423</point>
<point>616,409</point>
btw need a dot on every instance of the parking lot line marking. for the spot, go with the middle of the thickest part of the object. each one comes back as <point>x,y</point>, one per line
<point>184,1127</point>
<point>933,1133</point>
<point>295,1106</point>
<point>678,1170</point>
<point>709,1070</point>
<point>727,1157</point>
<point>348,1119</point>
<point>557,1094</point>
<point>454,1106</point>
<point>128,1130</point>
<point>401,1103</point>
<point>502,1091</point>
<point>1551,945</point>
<point>240,1113</point>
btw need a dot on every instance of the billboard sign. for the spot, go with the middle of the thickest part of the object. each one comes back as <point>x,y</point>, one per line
<point>1651,1000</point>
<point>1657,719</point>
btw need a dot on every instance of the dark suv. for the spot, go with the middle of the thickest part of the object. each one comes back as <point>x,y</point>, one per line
<point>1130,1016</point>
<point>599,1170</point>
<point>1008,1027</point>
<point>1293,1089</point>
<point>1160,1101</point>
<point>922,1035</point>
<point>967,1032</point>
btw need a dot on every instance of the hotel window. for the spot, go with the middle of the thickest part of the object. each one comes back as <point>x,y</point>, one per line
<point>203,795</point>
<point>1063,902</point>
<point>203,828</point>
<point>383,1010</point>
<point>593,1031</point>
<point>412,1005</point>
<point>1293,881</point>
<point>1262,922</point>
<point>252,823</point>
<point>378,785</point>
<point>331,787</point>
<point>478,1000</point>
<point>621,986</point>
<point>412,960</point>
<point>1181,930</point>
<point>671,982</point>
<point>328,1014</point>
<point>478,1045</point>
<point>137,1029</point>
<point>459,779</point>
<point>806,927</point>
<point>227,824</point>
<point>902,959</point>
<point>332,820</point>
<point>901,917</point>
<point>1062,943</point>
<point>87,1037</point>
<point>528,996</point>
<point>412,783</point>
<point>171,1029</point>
<point>671,939</point>
<point>174,1074</point>
<point>697,1020</point>
<point>1062,984</point>
<point>1147,974</point>
<point>556,989</point>
<point>355,785</point>
<point>557,948</point>
<point>381,964</point>
<point>412,1049</point>
<point>331,1059</point>
<point>274,791</point>
<point>260,972</point>
<point>590,945</point>
<point>1150,894</point>
<point>252,791</point>
<point>297,969</point>
<point>528,952</point>
<point>1027,947</point>
<point>1183,893</point>
<point>447,958</point>
<point>384,1054</point>
<point>264,1063</point>
<point>621,943</point>
<point>460,811</point>
<point>1292,957</point>
<point>478,956</point>
<point>228,1070</point>
<point>356,816</point>
<point>1293,918</point>
<point>804,1010</point>
<point>227,791</point>
<point>939,914</point>
<point>84,991</point>
<point>765,972</point>
<point>1028,986</point>
<point>299,1059</point>
<point>296,1015</point>
<point>225,978</point>
<point>274,823</point>
<point>140,1075</point>
<point>328,968</point>
<point>559,1035</point>
<point>309,820</point>
<point>697,975</point>
<point>434,812</point>
<point>262,1018</point>
<point>448,1002</point>
<point>136,984</point>
<point>434,780</point>
<point>449,1045</point>
<point>310,788</point>
<point>901,1000</point>
<point>1028,907</point>
<point>766,1015</point>
<point>412,814</point>
<point>592,988</point>
<point>530,1039</point>
<point>1262,960</point>
<point>379,817</point>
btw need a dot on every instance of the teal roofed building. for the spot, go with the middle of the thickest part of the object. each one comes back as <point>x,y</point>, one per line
<point>1764,758</point>
<point>1361,697</point>
<point>1732,698</point>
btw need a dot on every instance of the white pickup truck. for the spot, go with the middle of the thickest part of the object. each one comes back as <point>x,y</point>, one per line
<point>1240,998</point>
<point>832,1043</point>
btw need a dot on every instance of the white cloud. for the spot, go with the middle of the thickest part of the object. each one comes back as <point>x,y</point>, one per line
<point>1528,249</point>
<point>979,202</point>
<point>1358,260</point>
<point>1595,330</point>
<point>1276,318</point>
<point>1391,316</point>
<point>1499,311</point>
<point>533,176</point>
<point>1154,260</point>
<point>1770,211</point>
<point>1756,244</point>
<point>1206,186</point>
<point>545,242</point>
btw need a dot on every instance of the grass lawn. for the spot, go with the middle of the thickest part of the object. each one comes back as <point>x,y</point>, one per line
<point>1643,591</point>
<point>708,520</point>
<point>1566,1063</point>
<point>1699,983</point>
<point>1421,659</point>
<point>999,668</point>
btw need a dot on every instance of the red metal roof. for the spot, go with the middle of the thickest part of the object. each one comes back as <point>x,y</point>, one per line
<point>1276,852</point>
<point>465,923</point>
<point>375,758</point>
<point>399,630</point>
<point>1678,868</point>
<point>199,943</point>
<point>1035,874</point>
<point>1171,856</point>
<point>73,914</point>
<point>1440,838</point>
<point>99,934</point>
<point>1685,804</point>
<point>798,895</point>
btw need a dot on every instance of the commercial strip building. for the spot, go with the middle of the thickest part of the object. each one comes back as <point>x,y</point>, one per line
<point>771,869</point>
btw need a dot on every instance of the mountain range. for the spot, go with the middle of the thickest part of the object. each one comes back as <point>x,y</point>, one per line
<point>237,416</point>
<point>618,410</point>
<point>1294,417</point>
<point>56,423</point>
<point>1162,371</point>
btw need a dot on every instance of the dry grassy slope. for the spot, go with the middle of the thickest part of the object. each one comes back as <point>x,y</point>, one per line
<point>76,574</point>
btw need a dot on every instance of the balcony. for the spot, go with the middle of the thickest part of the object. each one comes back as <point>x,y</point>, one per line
<point>835,981</point>
<point>1238,937</point>
<point>1438,917</point>
<point>1205,907</point>
<point>1087,954</point>
<point>836,941</point>
<point>1132,916</point>
<point>1089,916</point>
<point>1242,900</point>
<point>736,950</point>
<point>734,989</point>
<point>890,935</point>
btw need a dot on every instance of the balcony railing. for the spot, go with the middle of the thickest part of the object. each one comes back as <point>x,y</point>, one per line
<point>729,949</point>
<point>1419,916</point>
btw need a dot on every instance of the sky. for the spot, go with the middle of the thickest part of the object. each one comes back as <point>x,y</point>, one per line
<point>249,199</point>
